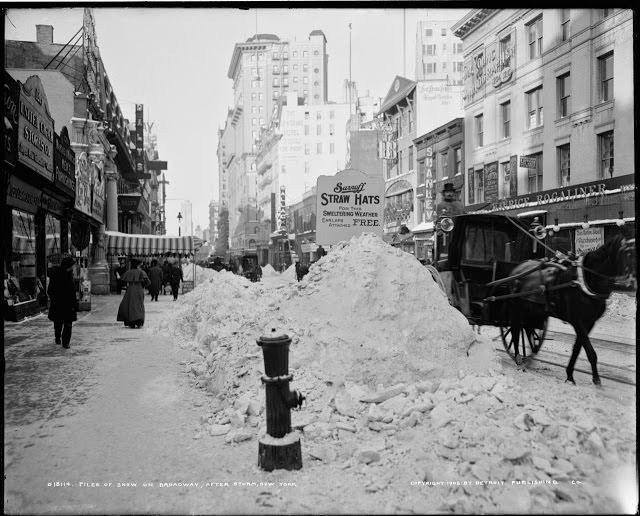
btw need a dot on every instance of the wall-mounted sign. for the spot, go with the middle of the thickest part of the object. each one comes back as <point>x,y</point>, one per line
<point>282,211</point>
<point>589,239</point>
<point>529,162</point>
<point>83,184</point>
<point>139,157</point>
<point>35,129</point>
<point>492,64</point>
<point>11,119</point>
<point>513,176</point>
<point>472,196</point>
<point>491,182</point>
<point>348,204</point>
<point>64,163</point>
<point>428,186</point>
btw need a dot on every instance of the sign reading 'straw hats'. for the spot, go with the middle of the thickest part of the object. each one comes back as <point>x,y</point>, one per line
<point>348,204</point>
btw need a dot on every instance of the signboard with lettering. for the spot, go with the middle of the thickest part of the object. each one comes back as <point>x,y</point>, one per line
<point>139,158</point>
<point>529,162</point>
<point>348,204</point>
<point>588,239</point>
<point>11,119</point>
<point>513,176</point>
<point>35,129</point>
<point>83,184</point>
<point>64,163</point>
<point>282,210</point>
<point>428,186</point>
<point>489,67</point>
<point>491,182</point>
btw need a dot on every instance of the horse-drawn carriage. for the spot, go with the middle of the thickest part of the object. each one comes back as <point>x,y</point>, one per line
<point>498,271</point>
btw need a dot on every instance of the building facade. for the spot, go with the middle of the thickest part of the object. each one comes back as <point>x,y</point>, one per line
<point>549,103</point>
<point>438,52</point>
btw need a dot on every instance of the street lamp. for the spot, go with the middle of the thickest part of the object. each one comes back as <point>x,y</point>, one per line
<point>179,223</point>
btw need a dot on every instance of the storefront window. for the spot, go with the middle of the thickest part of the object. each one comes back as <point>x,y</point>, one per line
<point>21,281</point>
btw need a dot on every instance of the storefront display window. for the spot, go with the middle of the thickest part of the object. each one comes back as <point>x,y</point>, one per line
<point>21,282</point>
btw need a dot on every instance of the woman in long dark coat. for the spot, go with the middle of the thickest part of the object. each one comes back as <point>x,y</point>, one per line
<point>155,277</point>
<point>62,295</point>
<point>131,309</point>
<point>175,279</point>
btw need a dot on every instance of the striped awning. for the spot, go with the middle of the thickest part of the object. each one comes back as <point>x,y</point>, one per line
<point>149,245</point>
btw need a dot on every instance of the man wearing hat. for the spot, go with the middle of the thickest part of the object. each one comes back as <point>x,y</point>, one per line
<point>62,297</point>
<point>449,206</point>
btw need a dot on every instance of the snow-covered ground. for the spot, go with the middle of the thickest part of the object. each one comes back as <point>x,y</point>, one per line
<point>399,389</point>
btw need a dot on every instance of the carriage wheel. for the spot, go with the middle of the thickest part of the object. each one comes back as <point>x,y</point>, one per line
<point>529,341</point>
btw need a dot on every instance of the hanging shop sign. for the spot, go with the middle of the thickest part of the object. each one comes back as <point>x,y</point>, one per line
<point>471,196</point>
<point>139,158</point>
<point>64,160</point>
<point>589,239</point>
<point>282,211</point>
<point>11,119</point>
<point>348,204</point>
<point>83,184</point>
<point>491,65</point>
<point>513,176</point>
<point>491,182</point>
<point>428,186</point>
<point>529,162</point>
<point>35,129</point>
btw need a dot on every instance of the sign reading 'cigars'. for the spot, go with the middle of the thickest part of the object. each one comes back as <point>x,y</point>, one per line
<point>35,129</point>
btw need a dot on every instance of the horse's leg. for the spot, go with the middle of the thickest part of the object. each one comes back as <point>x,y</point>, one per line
<point>593,360</point>
<point>515,335</point>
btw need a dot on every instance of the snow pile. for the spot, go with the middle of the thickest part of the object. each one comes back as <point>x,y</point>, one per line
<point>621,305</point>
<point>268,270</point>
<point>202,274</point>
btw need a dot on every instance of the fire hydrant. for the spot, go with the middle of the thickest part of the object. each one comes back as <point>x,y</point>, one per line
<point>280,448</point>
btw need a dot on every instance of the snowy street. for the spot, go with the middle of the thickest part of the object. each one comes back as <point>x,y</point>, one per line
<point>397,419</point>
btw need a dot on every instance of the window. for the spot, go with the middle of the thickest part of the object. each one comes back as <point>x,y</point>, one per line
<point>318,148</point>
<point>605,66</point>
<point>444,47</point>
<point>564,165</point>
<point>505,172</point>
<point>478,185</point>
<point>254,121</point>
<point>305,80</point>
<point>305,68</point>
<point>332,129</point>
<point>332,148</point>
<point>332,115</point>
<point>411,158</point>
<point>276,82</point>
<point>307,167</point>
<point>295,67</point>
<point>505,116</point>
<point>534,30</point>
<point>306,115</point>
<point>430,50</point>
<point>260,96</point>
<point>253,96</point>
<point>254,109</point>
<point>400,157</point>
<point>318,130</point>
<point>307,149</point>
<point>410,119</point>
<point>306,130</point>
<point>275,54</point>
<point>445,164</point>
<point>295,54</point>
<point>458,158</point>
<point>285,81</point>
<point>534,180</point>
<point>261,121</point>
<point>444,66</point>
<point>564,22</point>
<point>428,33</point>
<point>429,67</point>
<point>295,79</point>
<point>285,69</point>
<point>254,135</point>
<point>443,32</point>
<point>534,108</point>
<point>276,94</point>
<point>276,69</point>
<point>607,12</point>
<point>506,50</point>
<point>605,151</point>
<point>564,95</point>
<point>479,131</point>
<point>305,54</point>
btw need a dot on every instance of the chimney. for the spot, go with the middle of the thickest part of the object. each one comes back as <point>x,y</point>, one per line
<point>44,34</point>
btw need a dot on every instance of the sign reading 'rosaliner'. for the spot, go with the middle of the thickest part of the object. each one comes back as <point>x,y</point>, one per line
<point>348,204</point>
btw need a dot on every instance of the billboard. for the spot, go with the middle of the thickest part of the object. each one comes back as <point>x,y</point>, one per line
<point>348,204</point>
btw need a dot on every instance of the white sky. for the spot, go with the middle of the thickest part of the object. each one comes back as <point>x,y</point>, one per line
<point>175,62</point>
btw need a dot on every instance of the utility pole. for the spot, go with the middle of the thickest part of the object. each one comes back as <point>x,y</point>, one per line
<point>350,69</point>
<point>164,202</point>
<point>404,42</point>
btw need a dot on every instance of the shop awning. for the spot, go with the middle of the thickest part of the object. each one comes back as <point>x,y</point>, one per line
<point>149,245</point>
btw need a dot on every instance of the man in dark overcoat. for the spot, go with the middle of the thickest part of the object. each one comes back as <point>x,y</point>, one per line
<point>62,298</point>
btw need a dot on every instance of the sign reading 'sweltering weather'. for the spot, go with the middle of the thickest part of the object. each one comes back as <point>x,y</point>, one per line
<point>348,204</point>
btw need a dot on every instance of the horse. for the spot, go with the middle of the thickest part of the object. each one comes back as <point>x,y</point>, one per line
<point>573,291</point>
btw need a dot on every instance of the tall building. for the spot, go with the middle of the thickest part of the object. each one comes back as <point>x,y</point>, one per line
<point>186,210</point>
<point>214,215</point>
<point>438,52</point>
<point>549,104</point>
<point>263,69</point>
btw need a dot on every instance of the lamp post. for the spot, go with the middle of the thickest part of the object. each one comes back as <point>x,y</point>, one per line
<point>179,223</point>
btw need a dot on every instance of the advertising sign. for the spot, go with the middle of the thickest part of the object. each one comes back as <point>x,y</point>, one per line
<point>139,158</point>
<point>428,186</point>
<point>35,129</point>
<point>11,119</point>
<point>589,239</point>
<point>490,66</point>
<point>491,182</point>
<point>472,197</point>
<point>83,184</point>
<point>529,162</point>
<point>64,163</point>
<point>282,211</point>
<point>348,204</point>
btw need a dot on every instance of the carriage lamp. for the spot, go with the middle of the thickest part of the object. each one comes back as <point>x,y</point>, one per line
<point>620,221</point>
<point>556,226</point>
<point>585,224</point>
<point>446,224</point>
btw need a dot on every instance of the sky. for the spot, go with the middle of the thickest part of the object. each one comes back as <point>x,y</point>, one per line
<point>175,61</point>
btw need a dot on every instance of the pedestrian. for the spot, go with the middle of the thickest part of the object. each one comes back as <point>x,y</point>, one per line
<point>320,252</point>
<point>118,271</point>
<point>175,279</point>
<point>131,309</point>
<point>166,275</point>
<point>155,277</point>
<point>450,206</point>
<point>62,295</point>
